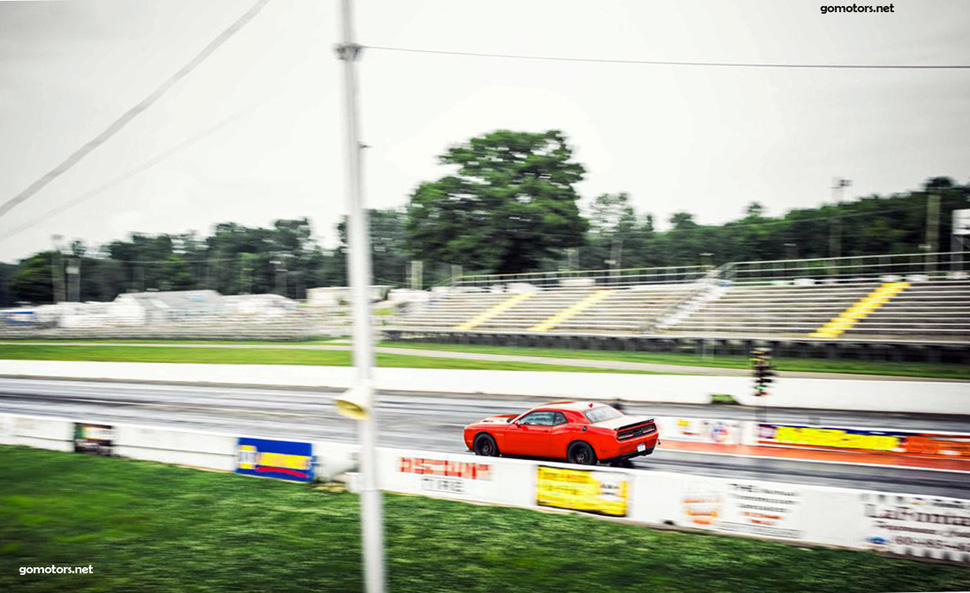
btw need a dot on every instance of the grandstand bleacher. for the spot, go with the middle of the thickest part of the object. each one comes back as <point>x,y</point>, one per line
<point>889,299</point>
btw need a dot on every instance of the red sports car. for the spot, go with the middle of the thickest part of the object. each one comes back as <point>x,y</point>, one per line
<point>579,432</point>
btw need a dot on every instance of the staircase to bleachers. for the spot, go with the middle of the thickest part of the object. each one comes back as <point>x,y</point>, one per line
<point>786,310</point>
<point>937,309</point>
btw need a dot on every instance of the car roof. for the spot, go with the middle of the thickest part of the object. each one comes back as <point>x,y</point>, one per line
<point>572,406</point>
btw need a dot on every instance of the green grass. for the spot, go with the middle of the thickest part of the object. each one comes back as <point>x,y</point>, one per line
<point>868,367</point>
<point>875,367</point>
<point>318,342</point>
<point>133,353</point>
<point>150,527</point>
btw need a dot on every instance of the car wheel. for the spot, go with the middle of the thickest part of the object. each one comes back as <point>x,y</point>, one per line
<point>581,454</point>
<point>485,446</point>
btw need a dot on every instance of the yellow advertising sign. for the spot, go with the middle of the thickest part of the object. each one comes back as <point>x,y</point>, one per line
<point>835,438</point>
<point>582,490</point>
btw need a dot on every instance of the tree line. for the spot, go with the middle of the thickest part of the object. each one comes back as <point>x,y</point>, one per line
<point>509,205</point>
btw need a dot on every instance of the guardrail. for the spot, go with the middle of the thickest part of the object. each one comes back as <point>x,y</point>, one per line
<point>912,525</point>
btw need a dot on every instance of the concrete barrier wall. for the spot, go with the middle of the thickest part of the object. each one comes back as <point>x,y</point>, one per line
<point>926,397</point>
<point>926,527</point>
<point>916,397</point>
<point>42,433</point>
<point>212,451</point>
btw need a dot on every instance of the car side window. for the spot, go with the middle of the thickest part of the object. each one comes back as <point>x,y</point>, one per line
<point>538,418</point>
<point>558,419</point>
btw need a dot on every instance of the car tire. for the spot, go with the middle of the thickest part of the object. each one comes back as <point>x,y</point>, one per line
<point>581,454</point>
<point>485,446</point>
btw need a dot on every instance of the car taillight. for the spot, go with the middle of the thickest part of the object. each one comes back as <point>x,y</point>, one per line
<point>636,431</point>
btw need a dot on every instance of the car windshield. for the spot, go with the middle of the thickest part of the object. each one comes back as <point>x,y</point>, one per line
<point>601,413</point>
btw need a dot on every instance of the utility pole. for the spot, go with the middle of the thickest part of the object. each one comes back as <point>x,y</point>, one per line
<point>57,274</point>
<point>358,243</point>
<point>74,279</point>
<point>616,255</point>
<point>836,239</point>
<point>932,231</point>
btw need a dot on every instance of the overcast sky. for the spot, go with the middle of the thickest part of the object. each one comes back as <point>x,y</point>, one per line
<point>705,140</point>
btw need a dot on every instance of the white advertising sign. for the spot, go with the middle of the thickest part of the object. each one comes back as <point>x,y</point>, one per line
<point>699,430</point>
<point>756,508</point>
<point>924,526</point>
<point>464,477</point>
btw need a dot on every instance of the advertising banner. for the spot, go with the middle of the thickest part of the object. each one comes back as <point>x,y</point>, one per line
<point>755,508</point>
<point>607,493</point>
<point>285,460</point>
<point>921,444</point>
<point>445,476</point>
<point>97,439</point>
<point>700,430</point>
<point>922,526</point>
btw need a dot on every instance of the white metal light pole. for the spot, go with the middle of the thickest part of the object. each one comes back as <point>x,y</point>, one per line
<point>371,513</point>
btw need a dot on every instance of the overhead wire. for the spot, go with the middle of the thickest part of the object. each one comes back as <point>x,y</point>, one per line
<point>144,166</point>
<point>702,64</point>
<point>126,118</point>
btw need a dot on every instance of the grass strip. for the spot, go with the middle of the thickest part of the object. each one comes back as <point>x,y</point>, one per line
<point>868,367</point>
<point>151,527</point>
<point>270,356</point>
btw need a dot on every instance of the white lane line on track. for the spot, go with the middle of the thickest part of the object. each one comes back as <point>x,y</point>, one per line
<point>822,461</point>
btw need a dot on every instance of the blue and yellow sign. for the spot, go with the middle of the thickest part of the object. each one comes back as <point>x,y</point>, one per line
<point>286,460</point>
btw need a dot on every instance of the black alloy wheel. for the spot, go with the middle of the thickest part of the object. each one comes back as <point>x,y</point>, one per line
<point>582,454</point>
<point>485,446</point>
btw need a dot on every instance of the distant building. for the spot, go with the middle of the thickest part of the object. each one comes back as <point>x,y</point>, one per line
<point>143,308</point>
<point>258,305</point>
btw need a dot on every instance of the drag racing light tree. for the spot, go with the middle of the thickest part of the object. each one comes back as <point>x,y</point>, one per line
<point>762,370</point>
<point>360,402</point>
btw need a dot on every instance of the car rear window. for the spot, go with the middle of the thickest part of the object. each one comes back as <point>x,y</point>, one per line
<point>601,413</point>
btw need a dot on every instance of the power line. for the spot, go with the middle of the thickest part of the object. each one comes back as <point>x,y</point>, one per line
<point>135,111</point>
<point>673,62</point>
<point>144,166</point>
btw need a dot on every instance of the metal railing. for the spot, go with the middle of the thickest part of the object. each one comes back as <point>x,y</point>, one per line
<point>937,265</point>
<point>580,278</point>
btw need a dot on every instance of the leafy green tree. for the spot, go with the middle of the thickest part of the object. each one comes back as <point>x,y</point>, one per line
<point>176,274</point>
<point>33,281</point>
<point>511,203</point>
<point>612,233</point>
<point>389,256</point>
